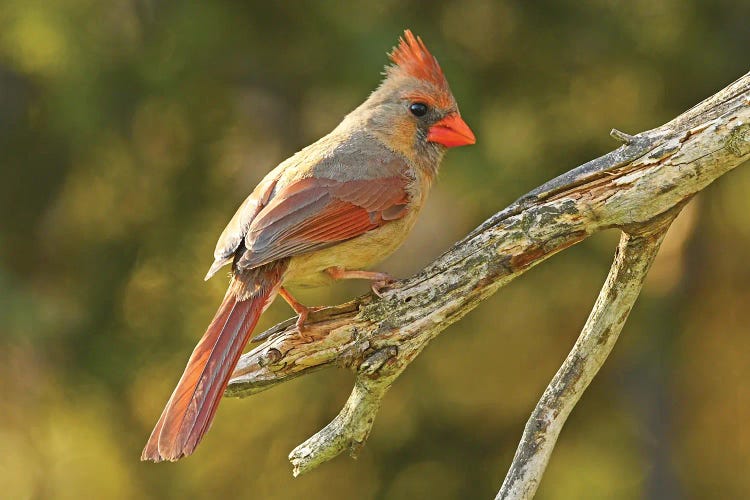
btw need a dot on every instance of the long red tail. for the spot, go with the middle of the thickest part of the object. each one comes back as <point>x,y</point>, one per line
<point>190,410</point>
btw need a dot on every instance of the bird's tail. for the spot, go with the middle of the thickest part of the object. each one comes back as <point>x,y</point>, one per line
<point>191,408</point>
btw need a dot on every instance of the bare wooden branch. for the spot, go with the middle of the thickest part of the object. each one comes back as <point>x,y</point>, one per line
<point>633,258</point>
<point>649,175</point>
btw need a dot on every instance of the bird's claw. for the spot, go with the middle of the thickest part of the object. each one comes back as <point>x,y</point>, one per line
<point>302,319</point>
<point>379,285</point>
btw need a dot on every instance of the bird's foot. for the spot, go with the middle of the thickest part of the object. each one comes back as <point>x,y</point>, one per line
<point>379,285</point>
<point>302,310</point>
<point>302,320</point>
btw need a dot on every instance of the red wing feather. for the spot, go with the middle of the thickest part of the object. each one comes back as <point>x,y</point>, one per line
<point>313,213</point>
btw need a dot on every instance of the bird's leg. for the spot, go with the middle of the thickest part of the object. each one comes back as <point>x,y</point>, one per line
<point>300,309</point>
<point>379,280</point>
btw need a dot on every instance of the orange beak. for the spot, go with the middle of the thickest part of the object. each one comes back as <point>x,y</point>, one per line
<point>451,131</point>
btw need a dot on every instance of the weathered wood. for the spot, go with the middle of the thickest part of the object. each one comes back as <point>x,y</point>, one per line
<point>650,174</point>
<point>633,259</point>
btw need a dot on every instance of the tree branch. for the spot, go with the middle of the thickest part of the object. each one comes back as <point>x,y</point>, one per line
<point>634,256</point>
<point>650,174</point>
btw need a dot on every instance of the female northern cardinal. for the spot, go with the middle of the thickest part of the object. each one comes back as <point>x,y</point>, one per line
<point>340,205</point>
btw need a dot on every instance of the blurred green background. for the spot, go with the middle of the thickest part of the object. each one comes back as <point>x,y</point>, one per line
<point>129,132</point>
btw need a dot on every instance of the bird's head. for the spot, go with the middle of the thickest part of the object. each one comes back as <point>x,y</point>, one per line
<point>414,106</point>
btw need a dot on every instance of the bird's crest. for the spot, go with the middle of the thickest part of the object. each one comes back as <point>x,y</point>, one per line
<point>412,57</point>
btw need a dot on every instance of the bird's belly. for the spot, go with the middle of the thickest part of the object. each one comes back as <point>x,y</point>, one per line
<point>308,270</point>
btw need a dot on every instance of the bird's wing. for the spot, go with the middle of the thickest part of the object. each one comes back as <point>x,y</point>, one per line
<point>313,213</point>
<point>356,187</point>
<point>237,228</point>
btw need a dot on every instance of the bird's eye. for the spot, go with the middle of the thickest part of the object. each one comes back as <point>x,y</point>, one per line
<point>418,109</point>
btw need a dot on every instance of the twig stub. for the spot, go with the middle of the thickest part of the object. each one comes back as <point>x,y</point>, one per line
<point>622,136</point>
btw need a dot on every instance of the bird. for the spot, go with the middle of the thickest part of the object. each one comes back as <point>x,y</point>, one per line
<point>329,212</point>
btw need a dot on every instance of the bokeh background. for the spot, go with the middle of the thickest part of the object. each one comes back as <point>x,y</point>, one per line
<point>129,132</point>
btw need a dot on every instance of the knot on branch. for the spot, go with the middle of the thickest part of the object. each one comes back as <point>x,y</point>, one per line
<point>373,363</point>
<point>269,357</point>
